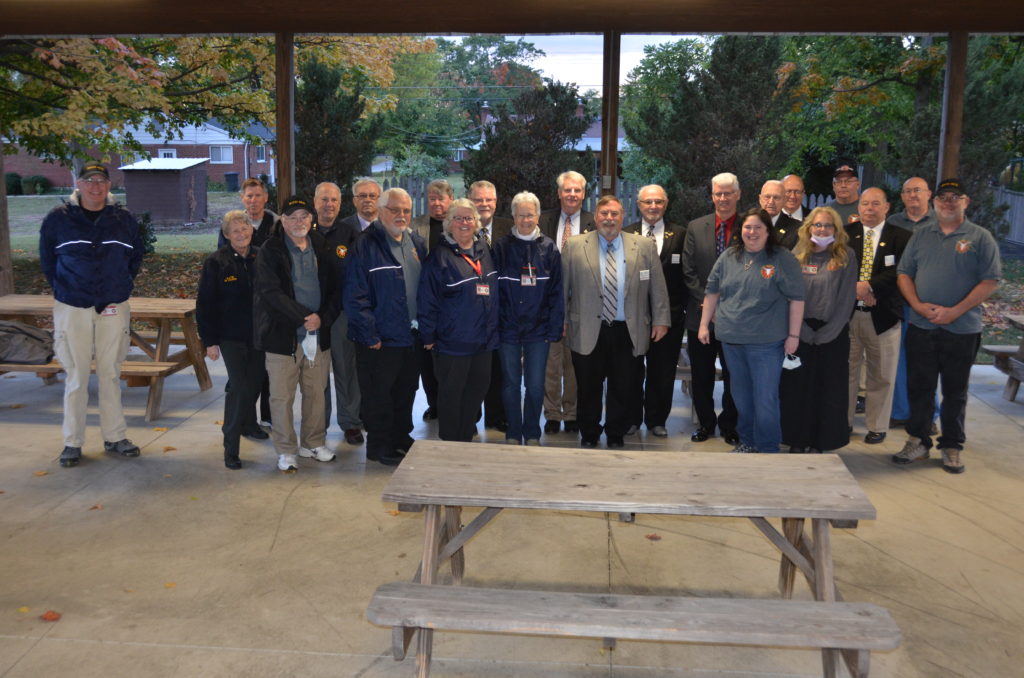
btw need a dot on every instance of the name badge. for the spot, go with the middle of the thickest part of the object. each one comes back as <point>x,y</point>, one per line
<point>645,274</point>
<point>529,276</point>
<point>483,290</point>
<point>890,259</point>
<point>810,269</point>
<point>676,258</point>
<point>109,310</point>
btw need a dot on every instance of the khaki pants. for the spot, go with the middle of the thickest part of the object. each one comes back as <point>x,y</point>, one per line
<point>560,384</point>
<point>286,372</point>
<point>880,355</point>
<point>78,335</point>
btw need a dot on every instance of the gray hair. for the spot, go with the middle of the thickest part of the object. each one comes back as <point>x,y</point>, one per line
<point>440,186</point>
<point>461,202</point>
<point>385,197</point>
<point>652,187</point>
<point>324,184</point>
<point>362,182</point>
<point>483,183</point>
<point>726,179</point>
<point>525,197</point>
<point>575,176</point>
<point>231,217</point>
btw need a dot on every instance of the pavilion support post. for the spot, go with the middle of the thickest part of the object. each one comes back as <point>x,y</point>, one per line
<point>610,112</point>
<point>285,76</point>
<point>953,106</point>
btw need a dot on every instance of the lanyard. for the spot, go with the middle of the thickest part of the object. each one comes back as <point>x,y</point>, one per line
<point>477,266</point>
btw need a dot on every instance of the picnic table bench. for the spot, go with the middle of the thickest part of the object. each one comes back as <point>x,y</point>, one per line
<point>1010,359</point>
<point>443,476</point>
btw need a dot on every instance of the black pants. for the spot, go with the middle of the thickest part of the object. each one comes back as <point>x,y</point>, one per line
<point>388,377</point>
<point>246,372</point>
<point>462,381</point>
<point>813,398</point>
<point>612,361</point>
<point>932,354</point>
<point>662,360</point>
<point>702,384</point>
<point>494,402</point>
<point>428,378</point>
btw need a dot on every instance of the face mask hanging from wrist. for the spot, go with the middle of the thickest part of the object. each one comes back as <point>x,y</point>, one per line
<point>309,347</point>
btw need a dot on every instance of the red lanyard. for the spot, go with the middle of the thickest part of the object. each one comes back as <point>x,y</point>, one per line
<point>477,266</point>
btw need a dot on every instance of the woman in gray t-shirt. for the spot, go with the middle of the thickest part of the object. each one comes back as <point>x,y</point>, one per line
<point>814,396</point>
<point>755,297</point>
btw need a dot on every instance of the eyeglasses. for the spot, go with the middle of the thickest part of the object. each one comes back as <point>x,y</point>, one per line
<point>723,194</point>
<point>652,201</point>
<point>948,197</point>
<point>913,191</point>
<point>822,225</point>
<point>464,220</point>
<point>849,181</point>
<point>398,210</point>
<point>367,196</point>
<point>94,181</point>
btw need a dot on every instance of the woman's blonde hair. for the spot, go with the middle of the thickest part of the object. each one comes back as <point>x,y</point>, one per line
<point>805,247</point>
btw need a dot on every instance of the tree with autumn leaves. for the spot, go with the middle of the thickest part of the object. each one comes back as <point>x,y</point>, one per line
<point>65,97</point>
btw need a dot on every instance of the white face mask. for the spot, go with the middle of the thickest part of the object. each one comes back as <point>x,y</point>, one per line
<point>823,240</point>
<point>309,347</point>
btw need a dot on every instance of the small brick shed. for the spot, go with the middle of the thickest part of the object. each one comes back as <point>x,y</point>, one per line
<point>170,189</point>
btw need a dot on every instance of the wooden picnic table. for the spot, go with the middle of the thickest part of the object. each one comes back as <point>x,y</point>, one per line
<point>163,313</point>
<point>1010,359</point>
<point>793,488</point>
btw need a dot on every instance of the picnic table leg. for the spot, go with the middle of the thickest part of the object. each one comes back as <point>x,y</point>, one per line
<point>431,539</point>
<point>156,384</point>
<point>452,526</point>
<point>195,350</point>
<point>824,584</point>
<point>792,529</point>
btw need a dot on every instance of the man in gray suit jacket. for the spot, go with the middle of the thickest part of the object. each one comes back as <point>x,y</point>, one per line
<point>616,302</point>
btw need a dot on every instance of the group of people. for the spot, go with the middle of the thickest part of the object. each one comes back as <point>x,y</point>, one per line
<point>562,310</point>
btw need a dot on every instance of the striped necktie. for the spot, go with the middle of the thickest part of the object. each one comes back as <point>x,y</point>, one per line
<point>610,289</point>
<point>867,260</point>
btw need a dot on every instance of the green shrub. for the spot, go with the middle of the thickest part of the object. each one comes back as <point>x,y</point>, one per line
<point>215,186</point>
<point>35,185</point>
<point>146,232</point>
<point>13,182</point>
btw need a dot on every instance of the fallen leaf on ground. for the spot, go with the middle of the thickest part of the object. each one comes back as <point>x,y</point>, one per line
<point>160,428</point>
<point>168,475</point>
<point>96,507</point>
<point>23,609</point>
<point>219,423</point>
<point>50,616</point>
<point>653,537</point>
<point>16,406</point>
<point>169,448</point>
<point>170,585</point>
<point>40,474</point>
<point>394,512</point>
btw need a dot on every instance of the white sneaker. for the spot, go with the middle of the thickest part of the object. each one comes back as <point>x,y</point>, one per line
<point>287,462</point>
<point>319,453</point>
<point>913,450</point>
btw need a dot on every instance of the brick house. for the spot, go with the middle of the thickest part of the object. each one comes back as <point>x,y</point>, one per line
<point>208,140</point>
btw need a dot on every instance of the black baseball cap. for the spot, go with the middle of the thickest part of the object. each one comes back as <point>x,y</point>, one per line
<point>844,167</point>
<point>951,185</point>
<point>93,168</point>
<point>294,204</point>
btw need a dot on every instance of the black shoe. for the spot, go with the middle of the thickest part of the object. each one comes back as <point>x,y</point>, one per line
<point>859,408</point>
<point>497,425</point>
<point>794,449</point>
<point>731,437</point>
<point>615,443</point>
<point>586,442</point>
<point>388,459</point>
<point>70,456</point>
<point>552,426</point>
<point>700,435</point>
<point>571,426</point>
<point>258,434</point>
<point>874,437</point>
<point>429,414</point>
<point>124,447</point>
<point>233,463</point>
<point>354,436</point>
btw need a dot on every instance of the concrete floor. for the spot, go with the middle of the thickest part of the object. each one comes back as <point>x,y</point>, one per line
<point>171,565</point>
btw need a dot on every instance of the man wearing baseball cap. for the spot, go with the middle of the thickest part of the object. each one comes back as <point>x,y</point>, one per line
<point>846,187</point>
<point>90,251</point>
<point>296,299</point>
<point>948,269</point>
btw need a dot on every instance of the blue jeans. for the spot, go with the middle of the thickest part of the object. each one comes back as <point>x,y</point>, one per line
<point>756,370</point>
<point>523,363</point>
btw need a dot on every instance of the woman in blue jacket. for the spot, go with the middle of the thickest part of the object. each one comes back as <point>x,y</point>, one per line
<point>457,314</point>
<point>531,315</point>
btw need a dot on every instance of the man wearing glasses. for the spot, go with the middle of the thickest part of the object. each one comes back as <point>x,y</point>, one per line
<point>365,194</point>
<point>917,211</point>
<point>948,269</point>
<point>846,187</point>
<point>663,356</point>
<point>90,251</point>
<point>793,205</point>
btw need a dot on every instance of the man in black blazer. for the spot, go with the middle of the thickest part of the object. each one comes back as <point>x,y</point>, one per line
<point>484,196</point>
<point>365,194</point>
<point>560,224</point>
<point>772,198</point>
<point>875,325</point>
<point>663,356</point>
<point>706,238</point>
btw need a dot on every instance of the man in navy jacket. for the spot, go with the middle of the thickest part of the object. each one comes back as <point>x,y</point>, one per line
<point>90,251</point>
<point>381,278</point>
